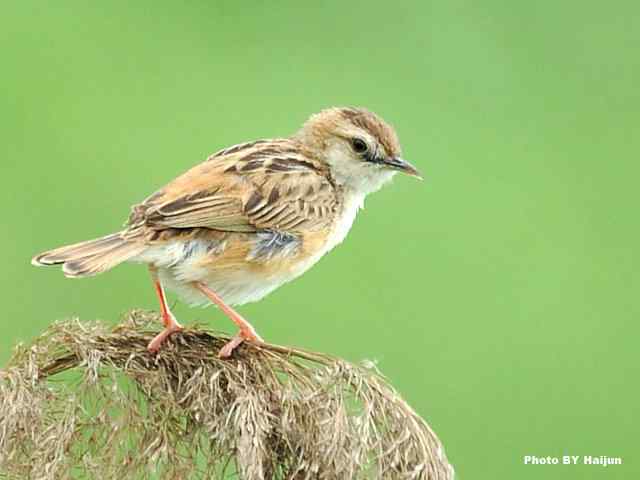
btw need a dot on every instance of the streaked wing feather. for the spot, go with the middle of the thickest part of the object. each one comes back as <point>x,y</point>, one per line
<point>268,184</point>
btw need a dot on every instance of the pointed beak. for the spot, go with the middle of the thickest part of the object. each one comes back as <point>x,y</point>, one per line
<point>398,163</point>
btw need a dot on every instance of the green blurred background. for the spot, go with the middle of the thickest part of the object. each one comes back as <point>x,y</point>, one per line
<point>500,296</point>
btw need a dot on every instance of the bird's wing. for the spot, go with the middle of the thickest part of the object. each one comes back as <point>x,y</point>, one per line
<point>268,184</point>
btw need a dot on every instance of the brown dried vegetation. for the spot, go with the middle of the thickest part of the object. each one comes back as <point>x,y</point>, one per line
<point>88,401</point>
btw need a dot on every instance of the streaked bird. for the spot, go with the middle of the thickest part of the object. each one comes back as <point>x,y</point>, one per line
<point>250,218</point>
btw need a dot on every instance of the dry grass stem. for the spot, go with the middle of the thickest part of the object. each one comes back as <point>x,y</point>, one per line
<point>88,401</point>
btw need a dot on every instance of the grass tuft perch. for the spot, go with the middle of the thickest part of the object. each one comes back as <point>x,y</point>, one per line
<point>88,401</point>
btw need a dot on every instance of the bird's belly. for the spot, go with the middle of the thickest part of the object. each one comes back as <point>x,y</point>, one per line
<point>240,271</point>
<point>236,289</point>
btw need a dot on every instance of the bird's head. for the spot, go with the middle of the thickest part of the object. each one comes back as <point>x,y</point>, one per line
<point>361,149</point>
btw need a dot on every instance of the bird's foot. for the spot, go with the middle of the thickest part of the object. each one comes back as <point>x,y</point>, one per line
<point>243,335</point>
<point>158,340</point>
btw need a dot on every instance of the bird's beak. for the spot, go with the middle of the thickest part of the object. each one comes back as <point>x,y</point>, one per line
<point>398,163</point>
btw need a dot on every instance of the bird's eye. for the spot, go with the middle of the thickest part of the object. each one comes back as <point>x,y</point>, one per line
<point>359,145</point>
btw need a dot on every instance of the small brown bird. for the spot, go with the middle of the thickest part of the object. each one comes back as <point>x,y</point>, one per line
<point>250,218</point>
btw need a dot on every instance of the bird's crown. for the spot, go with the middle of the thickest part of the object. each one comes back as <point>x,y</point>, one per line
<point>348,122</point>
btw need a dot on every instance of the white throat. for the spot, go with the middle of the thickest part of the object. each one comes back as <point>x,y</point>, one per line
<point>357,178</point>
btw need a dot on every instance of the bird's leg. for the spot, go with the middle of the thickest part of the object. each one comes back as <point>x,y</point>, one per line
<point>171,325</point>
<point>247,332</point>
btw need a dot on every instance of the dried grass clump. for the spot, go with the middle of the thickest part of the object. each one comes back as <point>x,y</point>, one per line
<point>87,401</point>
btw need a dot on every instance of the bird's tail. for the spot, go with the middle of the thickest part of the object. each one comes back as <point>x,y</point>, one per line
<point>89,258</point>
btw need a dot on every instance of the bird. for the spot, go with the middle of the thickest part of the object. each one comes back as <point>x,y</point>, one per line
<point>250,218</point>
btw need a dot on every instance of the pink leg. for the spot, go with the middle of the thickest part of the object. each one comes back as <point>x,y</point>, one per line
<point>171,325</point>
<point>247,332</point>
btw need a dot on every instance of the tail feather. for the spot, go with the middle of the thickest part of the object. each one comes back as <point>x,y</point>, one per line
<point>89,258</point>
